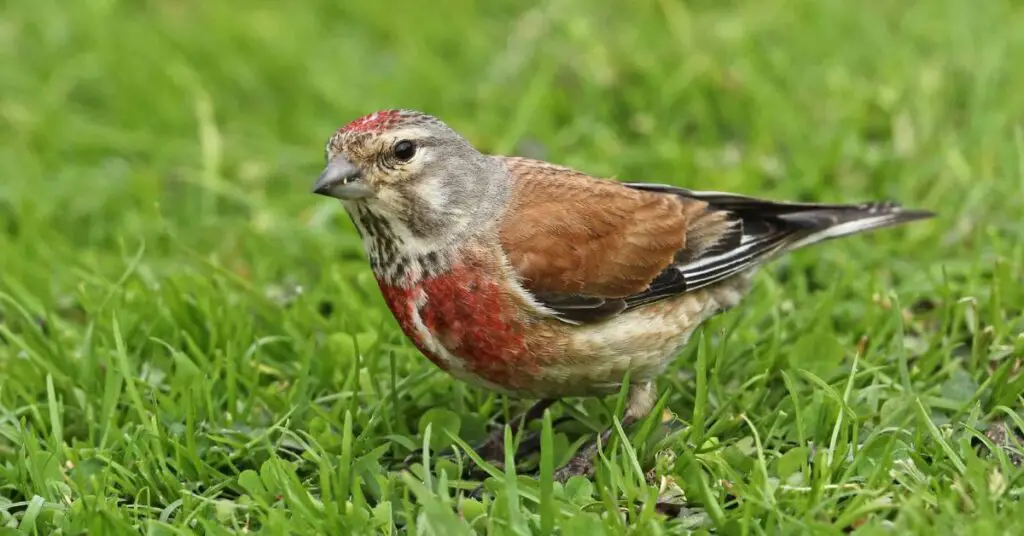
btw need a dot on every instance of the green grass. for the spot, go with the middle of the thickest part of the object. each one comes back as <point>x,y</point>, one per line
<point>191,342</point>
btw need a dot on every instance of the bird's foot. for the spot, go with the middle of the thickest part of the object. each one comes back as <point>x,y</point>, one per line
<point>492,449</point>
<point>582,464</point>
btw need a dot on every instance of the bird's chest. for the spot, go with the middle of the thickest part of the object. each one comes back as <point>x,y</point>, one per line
<point>464,321</point>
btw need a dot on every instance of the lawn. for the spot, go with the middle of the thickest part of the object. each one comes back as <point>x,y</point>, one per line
<point>191,342</point>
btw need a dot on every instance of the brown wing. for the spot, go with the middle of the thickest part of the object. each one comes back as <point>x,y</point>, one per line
<point>571,236</point>
<point>590,248</point>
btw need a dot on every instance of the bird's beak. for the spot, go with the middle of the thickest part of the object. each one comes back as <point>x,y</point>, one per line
<point>341,179</point>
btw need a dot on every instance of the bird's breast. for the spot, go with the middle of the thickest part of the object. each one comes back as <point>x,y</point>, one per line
<point>466,322</point>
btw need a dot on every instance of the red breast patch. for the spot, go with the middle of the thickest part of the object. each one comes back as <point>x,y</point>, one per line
<point>466,312</point>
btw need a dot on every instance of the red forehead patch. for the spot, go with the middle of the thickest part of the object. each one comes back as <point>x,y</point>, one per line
<point>375,122</point>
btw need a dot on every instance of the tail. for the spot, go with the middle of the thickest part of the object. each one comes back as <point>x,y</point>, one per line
<point>765,229</point>
<point>836,221</point>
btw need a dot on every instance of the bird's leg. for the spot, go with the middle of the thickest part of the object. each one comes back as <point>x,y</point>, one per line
<point>639,404</point>
<point>531,443</point>
<point>493,448</point>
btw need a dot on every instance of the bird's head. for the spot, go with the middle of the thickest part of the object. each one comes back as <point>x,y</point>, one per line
<point>414,172</point>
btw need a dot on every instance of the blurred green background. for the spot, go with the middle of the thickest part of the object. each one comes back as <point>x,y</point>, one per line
<point>178,314</point>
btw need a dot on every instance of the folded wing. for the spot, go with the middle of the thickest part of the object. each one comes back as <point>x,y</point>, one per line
<point>590,249</point>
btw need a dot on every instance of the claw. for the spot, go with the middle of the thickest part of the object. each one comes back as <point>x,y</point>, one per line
<point>582,464</point>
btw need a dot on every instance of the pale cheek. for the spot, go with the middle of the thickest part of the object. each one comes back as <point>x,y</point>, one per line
<point>389,201</point>
<point>432,192</point>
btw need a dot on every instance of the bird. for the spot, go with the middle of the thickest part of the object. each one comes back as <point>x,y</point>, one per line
<point>540,281</point>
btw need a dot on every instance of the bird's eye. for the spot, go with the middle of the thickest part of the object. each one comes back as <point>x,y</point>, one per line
<point>405,150</point>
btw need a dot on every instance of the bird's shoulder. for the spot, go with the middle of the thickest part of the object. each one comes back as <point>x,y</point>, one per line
<point>584,243</point>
